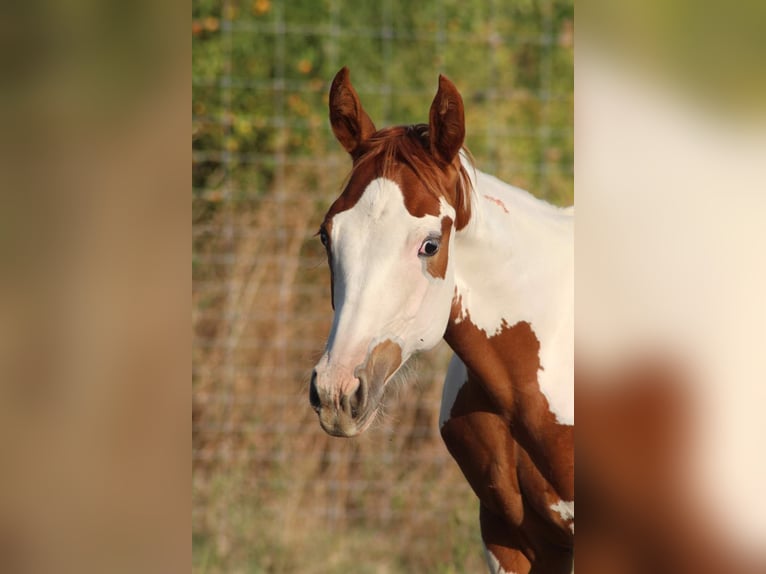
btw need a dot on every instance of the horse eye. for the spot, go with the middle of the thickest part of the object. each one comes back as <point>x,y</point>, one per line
<point>430,247</point>
<point>323,237</point>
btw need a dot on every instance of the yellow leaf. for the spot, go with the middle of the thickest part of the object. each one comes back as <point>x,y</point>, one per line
<point>305,66</point>
<point>260,7</point>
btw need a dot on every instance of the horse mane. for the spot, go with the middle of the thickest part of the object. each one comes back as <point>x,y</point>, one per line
<point>410,146</point>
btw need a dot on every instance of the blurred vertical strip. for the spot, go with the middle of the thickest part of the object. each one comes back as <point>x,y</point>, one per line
<point>670,124</point>
<point>94,286</point>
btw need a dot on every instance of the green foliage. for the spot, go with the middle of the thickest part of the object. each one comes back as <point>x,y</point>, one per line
<point>261,72</point>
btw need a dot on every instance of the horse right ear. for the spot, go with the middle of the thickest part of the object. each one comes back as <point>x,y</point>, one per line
<point>350,123</point>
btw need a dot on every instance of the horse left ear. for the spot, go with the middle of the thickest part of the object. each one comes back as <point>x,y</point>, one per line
<point>446,121</point>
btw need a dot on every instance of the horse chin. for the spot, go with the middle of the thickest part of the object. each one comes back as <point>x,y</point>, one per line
<point>366,420</point>
<point>343,427</point>
<point>340,432</point>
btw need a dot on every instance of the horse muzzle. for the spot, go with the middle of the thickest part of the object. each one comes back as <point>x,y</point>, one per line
<point>348,413</point>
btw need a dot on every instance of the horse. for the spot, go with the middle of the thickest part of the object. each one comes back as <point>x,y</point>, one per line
<point>422,246</point>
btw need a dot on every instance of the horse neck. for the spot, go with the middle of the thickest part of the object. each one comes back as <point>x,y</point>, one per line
<point>513,265</point>
<point>514,258</point>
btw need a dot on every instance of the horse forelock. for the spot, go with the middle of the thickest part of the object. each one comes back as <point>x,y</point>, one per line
<point>402,154</point>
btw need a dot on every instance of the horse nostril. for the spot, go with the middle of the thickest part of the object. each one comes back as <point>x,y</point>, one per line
<point>361,392</point>
<point>355,403</point>
<point>314,393</point>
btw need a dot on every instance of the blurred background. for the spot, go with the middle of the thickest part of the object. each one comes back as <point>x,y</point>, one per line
<point>271,491</point>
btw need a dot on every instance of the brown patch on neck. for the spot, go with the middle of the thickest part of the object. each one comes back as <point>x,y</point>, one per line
<point>517,522</point>
<point>507,363</point>
<point>403,155</point>
<point>506,366</point>
<point>437,265</point>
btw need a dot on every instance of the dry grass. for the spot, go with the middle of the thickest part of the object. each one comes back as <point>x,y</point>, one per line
<point>272,492</point>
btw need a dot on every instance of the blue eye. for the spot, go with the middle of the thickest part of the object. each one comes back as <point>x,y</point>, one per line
<point>430,247</point>
<point>323,237</point>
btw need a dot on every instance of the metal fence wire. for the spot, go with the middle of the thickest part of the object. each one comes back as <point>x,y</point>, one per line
<point>272,492</point>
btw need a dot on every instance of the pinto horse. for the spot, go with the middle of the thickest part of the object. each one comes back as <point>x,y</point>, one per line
<point>422,246</point>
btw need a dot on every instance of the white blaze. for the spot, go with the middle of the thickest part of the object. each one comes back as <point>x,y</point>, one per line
<point>382,289</point>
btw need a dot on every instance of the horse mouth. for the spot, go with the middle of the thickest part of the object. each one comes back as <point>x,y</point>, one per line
<point>353,412</point>
<point>348,429</point>
<point>354,415</point>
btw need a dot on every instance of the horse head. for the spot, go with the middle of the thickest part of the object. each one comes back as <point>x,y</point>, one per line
<point>388,237</point>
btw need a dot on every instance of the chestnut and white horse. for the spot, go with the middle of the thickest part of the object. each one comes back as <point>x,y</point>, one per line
<point>421,246</point>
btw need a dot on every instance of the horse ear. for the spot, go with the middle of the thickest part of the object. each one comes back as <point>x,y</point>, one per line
<point>447,121</point>
<point>350,123</point>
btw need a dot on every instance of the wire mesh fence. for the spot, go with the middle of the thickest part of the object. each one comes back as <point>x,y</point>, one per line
<point>272,492</point>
